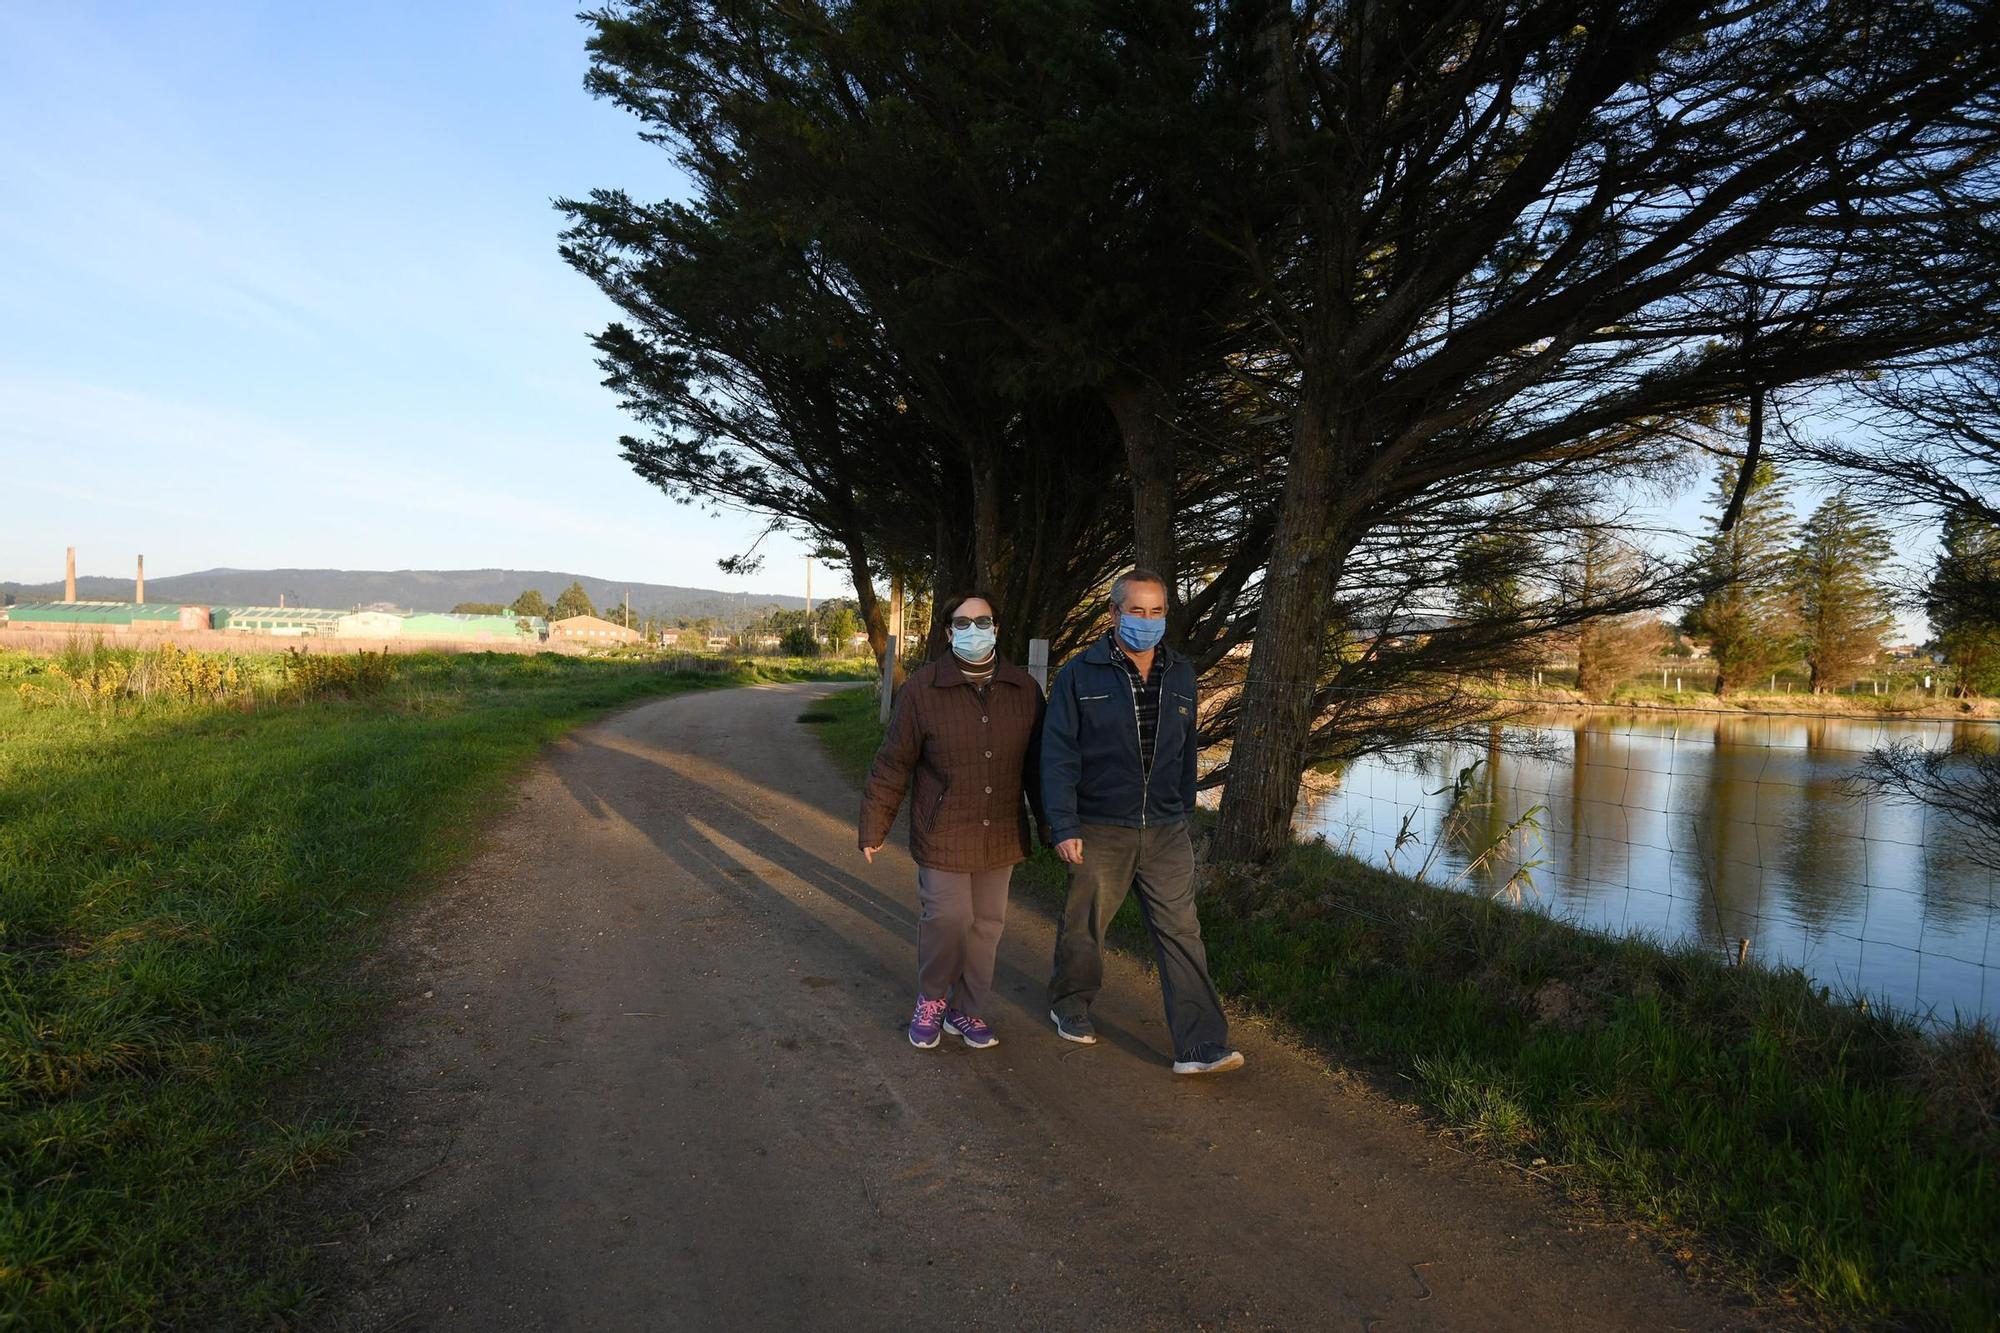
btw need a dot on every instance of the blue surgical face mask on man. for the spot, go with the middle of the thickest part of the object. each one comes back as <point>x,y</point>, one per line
<point>1140,633</point>
<point>973,644</point>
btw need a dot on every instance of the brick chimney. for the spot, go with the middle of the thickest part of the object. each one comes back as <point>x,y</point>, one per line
<point>69,576</point>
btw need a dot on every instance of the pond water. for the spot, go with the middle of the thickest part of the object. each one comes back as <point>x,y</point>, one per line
<point>1712,828</point>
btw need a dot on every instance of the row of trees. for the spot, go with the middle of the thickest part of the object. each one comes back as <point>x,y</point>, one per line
<point>1306,304</point>
<point>831,624</point>
<point>829,627</point>
<point>573,601</point>
<point>1780,592</point>
<point>1824,592</point>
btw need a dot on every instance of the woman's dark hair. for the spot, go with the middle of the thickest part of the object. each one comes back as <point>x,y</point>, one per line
<point>941,625</point>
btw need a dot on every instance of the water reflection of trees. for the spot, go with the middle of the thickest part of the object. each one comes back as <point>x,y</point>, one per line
<point>1716,829</point>
<point>1960,888</point>
<point>1826,858</point>
<point>1597,835</point>
<point>1724,844</point>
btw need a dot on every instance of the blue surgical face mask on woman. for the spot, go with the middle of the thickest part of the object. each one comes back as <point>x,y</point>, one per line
<point>1140,632</point>
<point>973,644</point>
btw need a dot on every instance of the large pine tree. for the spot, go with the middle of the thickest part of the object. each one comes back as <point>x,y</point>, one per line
<point>573,602</point>
<point>1840,592</point>
<point>1960,602</point>
<point>1747,617</point>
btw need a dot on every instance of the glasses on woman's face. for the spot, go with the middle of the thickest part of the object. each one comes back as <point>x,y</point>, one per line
<point>968,622</point>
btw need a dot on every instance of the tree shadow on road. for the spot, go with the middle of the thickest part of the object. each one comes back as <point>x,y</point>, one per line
<point>698,833</point>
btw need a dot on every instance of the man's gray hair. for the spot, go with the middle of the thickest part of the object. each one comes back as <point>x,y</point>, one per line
<point>1131,576</point>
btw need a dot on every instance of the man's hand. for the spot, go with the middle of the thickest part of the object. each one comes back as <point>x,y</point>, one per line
<point>869,852</point>
<point>1071,850</point>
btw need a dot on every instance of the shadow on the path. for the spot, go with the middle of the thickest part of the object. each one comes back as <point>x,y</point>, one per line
<point>697,825</point>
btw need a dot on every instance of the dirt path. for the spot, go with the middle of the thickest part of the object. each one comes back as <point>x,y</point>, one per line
<point>650,1074</point>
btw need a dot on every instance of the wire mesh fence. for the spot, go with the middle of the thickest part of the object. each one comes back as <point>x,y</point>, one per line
<point>1731,832</point>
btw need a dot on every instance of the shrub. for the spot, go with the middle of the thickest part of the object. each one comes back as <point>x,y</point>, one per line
<point>322,675</point>
<point>174,672</point>
<point>94,676</point>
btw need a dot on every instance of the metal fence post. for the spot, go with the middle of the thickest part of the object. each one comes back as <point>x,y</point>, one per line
<point>1038,662</point>
<point>888,690</point>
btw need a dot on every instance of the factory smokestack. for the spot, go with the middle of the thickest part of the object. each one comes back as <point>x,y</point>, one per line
<point>141,598</point>
<point>69,576</point>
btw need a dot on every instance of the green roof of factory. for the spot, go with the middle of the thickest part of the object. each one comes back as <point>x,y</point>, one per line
<point>460,622</point>
<point>465,617</point>
<point>92,613</point>
<point>287,616</point>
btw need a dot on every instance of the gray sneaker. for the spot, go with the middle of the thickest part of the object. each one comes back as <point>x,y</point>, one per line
<point>1210,1060</point>
<point>1076,1029</point>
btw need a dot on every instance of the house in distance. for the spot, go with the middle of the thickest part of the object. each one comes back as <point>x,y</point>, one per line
<point>590,629</point>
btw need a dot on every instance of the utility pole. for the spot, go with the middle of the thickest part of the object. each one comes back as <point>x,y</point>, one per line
<point>809,587</point>
<point>141,590</point>
<point>69,575</point>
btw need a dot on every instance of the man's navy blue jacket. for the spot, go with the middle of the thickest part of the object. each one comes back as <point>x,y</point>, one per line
<point>1091,767</point>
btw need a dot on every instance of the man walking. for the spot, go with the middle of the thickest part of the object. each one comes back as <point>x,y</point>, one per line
<point>1118,783</point>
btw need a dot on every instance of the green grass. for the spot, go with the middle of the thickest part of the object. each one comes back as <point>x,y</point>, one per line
<point>182,890</point>
<point>810,668</point>
<point>1784,1143</point>
<point>1649,694</point>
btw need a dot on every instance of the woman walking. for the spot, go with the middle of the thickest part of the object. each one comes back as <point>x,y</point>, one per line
<point>967,726</point>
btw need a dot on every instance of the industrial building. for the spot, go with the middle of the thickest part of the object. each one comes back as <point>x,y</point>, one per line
<point>282,622</point>
<point>371,624</point>
<point>462,628</point>
<point>300,621</point>
<point>590,629</point>
<point>101,615</point>
<point>291,622</point>
<point>107,615</point>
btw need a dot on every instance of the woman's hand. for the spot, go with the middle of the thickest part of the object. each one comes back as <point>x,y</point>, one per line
<point>869,852</point>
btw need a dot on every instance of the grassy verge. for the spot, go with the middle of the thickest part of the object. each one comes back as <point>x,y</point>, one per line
<point>1902,704</point>
<point>826,667</point>
<point>1907,703</point>
<point>1787,1145</point>
<point>181,886</point>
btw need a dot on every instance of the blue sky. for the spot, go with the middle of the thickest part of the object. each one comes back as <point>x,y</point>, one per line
<point>280,287</point>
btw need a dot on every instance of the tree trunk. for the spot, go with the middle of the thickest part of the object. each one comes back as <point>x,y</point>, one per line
<point>985,518</point>
<point>951,570</point>
<point>1144,420</point>
<point>1267,755</point>
<point>873,618</point>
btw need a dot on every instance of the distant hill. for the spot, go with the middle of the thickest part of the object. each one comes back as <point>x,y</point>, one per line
<point>410,589</point>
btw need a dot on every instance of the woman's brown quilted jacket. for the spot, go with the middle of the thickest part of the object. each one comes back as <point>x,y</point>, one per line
<point>975,756</point>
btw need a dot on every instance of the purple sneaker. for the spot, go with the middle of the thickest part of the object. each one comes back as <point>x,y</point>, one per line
<point>977,1035</point>
<point>927,1024</point>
